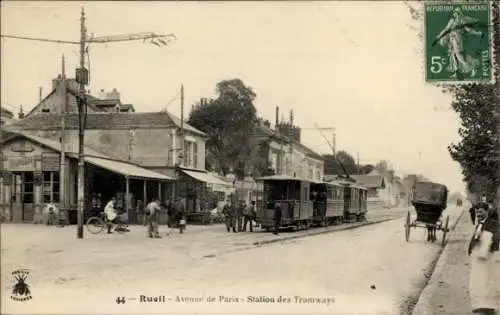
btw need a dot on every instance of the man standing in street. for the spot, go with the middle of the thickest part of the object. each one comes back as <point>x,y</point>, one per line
<point>238,216</point>
<point>483,247</point>
<point>228,212</point>
<point>277,217</point>
<point>248,214</point>
<point>152,211</point>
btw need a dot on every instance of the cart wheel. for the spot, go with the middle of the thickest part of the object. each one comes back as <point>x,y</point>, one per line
<point>445,230</point>
<point>408,226</point>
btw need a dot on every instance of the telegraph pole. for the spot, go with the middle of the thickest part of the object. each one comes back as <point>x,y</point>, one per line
<point>82,79</point>
<point>181,137</point>
<point>62,171</point>
<point>81,117</point>
<point>357,161</point>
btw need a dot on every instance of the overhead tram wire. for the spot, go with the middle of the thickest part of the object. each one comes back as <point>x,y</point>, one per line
<point>334,153</point>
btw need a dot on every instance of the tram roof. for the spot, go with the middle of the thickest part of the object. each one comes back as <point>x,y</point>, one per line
<point>283,177</point>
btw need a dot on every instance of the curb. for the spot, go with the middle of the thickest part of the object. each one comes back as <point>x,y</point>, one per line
<point>437,266</point>
<point>314,233</point>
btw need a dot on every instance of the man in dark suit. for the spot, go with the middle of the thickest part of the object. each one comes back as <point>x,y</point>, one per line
<point>277,217</point>
<point>483,248</point>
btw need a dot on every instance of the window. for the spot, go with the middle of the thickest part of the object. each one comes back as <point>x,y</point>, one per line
<point>220,196</point>
<point>195,155</point>
<point>50,187</point>
<point>46,110</point>
<point>187,153</point>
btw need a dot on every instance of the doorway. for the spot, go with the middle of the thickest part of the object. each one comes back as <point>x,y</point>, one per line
<point>22,197</point>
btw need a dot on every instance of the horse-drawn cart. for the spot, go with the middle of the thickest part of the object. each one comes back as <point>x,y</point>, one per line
<point>429,200</point>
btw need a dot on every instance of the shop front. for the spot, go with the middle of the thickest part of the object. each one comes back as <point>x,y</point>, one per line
<point>31,179</point>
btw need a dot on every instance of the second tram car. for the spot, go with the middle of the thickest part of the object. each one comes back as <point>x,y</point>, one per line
<point>328,201</point>
<point>307,203</point>
<point>355,202</point>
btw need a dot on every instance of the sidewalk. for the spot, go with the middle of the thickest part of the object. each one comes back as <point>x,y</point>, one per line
<point>447,291</point>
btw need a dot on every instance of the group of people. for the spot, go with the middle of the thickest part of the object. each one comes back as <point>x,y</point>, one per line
<point>483,248</point>
<point>238,216</point>
<point>175,213</point>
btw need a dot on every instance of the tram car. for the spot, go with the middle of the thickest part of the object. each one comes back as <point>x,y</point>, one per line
<point>328,203</point>
<point>293,195</point>
<point>355,202</point>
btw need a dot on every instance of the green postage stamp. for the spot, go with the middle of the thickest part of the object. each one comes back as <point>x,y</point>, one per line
<point>458,42</point>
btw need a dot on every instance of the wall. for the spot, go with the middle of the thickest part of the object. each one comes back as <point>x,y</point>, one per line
<point>34,161</point>
<point>53,103</point>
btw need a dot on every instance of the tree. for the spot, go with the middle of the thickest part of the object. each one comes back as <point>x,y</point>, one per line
<point>366,169</point>
<point>332,165</point>
<point>478,108</point>
<point>228,120</point>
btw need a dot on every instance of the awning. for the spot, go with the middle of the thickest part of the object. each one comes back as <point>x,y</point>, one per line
<point>126,169</point>
<point>206,177</point>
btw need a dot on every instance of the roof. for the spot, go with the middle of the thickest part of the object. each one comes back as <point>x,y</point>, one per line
<point>266,131</point>
<point>56,145</point>
<point>103,120</point>
<point>125,169</point>
<point>96,158</point>
<point>106,102</point>
<point>206,178</point>
<point>281,177</point>
<point>370,181</point>
<point>4,112</point>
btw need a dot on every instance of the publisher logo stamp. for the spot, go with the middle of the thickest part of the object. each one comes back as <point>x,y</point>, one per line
<point>21,289</point>
<point>458,42</point>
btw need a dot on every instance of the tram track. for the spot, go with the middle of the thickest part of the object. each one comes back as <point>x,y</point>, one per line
<point>289,236</point>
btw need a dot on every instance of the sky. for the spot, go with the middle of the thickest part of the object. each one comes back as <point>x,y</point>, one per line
<point>356,66</point>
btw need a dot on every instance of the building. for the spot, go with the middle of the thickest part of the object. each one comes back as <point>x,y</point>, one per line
<point>6,116</point>
<point>52,103</point>
<point>140,152</point>
<point>282,152</point>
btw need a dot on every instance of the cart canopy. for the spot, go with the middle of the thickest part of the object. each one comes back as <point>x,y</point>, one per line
<point>430,193</point>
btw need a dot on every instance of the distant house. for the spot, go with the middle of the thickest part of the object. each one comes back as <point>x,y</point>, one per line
<point>106,102</point>
<point>6,116</point>
<point>375,183</point>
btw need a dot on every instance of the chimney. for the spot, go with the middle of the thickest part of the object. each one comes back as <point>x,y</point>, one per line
<point>21,114</point>
<point>291,117</point>
<point>277,117</point>
<point>55,82</point>
<point>39,94</point>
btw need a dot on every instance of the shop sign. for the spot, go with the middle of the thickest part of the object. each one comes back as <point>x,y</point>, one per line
<point>20,163</point>
<point>22,146</point>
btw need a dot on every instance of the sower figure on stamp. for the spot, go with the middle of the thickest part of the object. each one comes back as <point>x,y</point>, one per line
<point>451,37</point>
<point>152,211</point>
<point>483,247</point>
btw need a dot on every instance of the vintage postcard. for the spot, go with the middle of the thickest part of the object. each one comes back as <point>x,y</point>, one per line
<point>288,157</point>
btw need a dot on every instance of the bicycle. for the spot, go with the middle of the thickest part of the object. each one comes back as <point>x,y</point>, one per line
<point>97,224</point>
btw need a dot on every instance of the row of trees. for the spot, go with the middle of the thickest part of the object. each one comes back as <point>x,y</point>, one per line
<point>478,106</point>
<point>229,119</point>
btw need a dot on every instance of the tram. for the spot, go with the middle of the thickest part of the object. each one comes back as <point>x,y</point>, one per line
<point>328,203</point>
<point>293,195</point>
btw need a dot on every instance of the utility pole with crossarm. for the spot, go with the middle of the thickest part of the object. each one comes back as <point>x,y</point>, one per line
<point>82,78</point>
